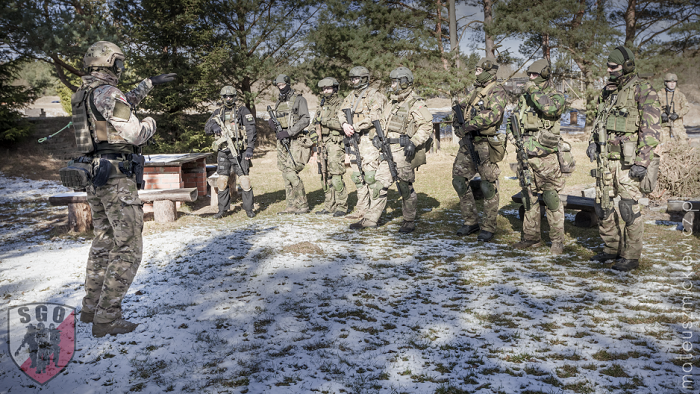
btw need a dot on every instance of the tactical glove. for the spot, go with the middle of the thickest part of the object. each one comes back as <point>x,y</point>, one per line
<point>272,125</point>
<point>673,116</point>
<point>592,151</point>
<point>248,153</point>
<point>282,135</point>
<point>377,142</point>
<point>409,150</point>
<point>469,129</point>
<point>458,131</point>
<point>163,78</point>
<point>215,129</point>
<point>664,117</point>
<point>638,171</point>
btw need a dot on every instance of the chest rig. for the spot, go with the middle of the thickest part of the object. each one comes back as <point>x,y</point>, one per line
<point>623,117</point>
<point>533,121</point>
<point>476,104</point>
<point>93,133</point>
<point>232,131</point>
<point>399,118</point>
<point>329,122</point>
<point>285,111</point>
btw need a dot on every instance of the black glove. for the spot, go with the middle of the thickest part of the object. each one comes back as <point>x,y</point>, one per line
<point>282,135</point>
<point>163,78</point>
<point>248,153</point>
<point>272,124</point>
<point>638,172</point>
<point>673,116</point>
<point>377,142</point>
<point>215,129</point>
<point>592,151</point>
<point>409,150</point>
<point>664,117</point>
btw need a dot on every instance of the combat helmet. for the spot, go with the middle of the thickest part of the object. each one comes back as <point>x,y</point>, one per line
<point>362,73</point>
<point>540,67</point>
<point>105,55</point>
<point>671,77</point>
<point>228,94</point>
<point>404,78</point>
<point>282,78</point>
<point>489,67</point>
<point>329,82</point>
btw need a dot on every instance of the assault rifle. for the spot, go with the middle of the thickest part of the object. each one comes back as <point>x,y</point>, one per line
<point>468,138</point>
<point>278,129</point>
<point>226,136</point>
<point>602,174</point>
<point>524,173</point>
<point>386,151</point>
<point>322,153</point>
<point>354,142</point>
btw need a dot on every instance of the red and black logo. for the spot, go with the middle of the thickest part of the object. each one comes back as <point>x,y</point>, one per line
<point>42,339</point>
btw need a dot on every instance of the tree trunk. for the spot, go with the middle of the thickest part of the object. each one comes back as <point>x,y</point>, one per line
<point>164,211</point>
<point>488,19</point>
<point>79,217</point>
<point>630,23</point>
<point>246,87</point>
<point>546,49</point>
<point>438,33</point>
<point>454,45</point>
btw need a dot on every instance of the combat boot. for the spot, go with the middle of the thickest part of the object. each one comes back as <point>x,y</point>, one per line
<point>355,216</point>
<point>625,265</point>
<point>466,230</point>
<point>116,327</point>
<point>323,212</point>
<point>338,214</point>
<point>407,227</point>
<point>603,257</point>
<point>301,211</point>
<point>364,223</point>
<point>527,244</point>
<point>557,248</point>
<point>86,317</point>
<point>250,213</point>
<point>219,215</point>
<point>485,236</point>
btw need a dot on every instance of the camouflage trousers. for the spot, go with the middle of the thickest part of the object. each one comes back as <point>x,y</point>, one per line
<point>300,149</point>
<point>115,255</point>
<point>677,134</point>
<point>463,167</point>
<point>336,194</point>
<point>379,180</point>
<point>547,176</point>
<point>620,237</point>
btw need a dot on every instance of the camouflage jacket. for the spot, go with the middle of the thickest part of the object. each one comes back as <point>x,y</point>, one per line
<point>489,110</point>
<point>674,102</point>
<point>649,125</point>
<point>420,125</point>
<point>367,106</point>
<point>242,117</point>
<point>327,115</point>
<point>300,111</point>
<point>105,98</point>
<point>548,105</point>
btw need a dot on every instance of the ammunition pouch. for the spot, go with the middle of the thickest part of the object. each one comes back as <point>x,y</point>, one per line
<point>629,152</point>
<point>78,173</point>
<point>497,147</point>
<point>548,139</point>
<point>567,163</point>
<point>648,183</point>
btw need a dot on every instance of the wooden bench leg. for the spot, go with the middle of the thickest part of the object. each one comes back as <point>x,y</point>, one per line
<point>164,211</point>
<point>79,217</point>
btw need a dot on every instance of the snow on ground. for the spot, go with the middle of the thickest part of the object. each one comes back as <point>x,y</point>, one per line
<point>302,305</point>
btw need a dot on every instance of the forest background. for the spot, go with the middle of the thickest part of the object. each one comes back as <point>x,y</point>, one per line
<point>246,43</point>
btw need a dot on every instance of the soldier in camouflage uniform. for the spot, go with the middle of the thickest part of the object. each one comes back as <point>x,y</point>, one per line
<point>241,125</point>
<point>674,106</point>
<point>483,115</point>
<point>539,112</point>
<point>336,201</point>
<point>293,114</point>
<point>107,128</point>
<point>366,103</point>
<point>633,126</point>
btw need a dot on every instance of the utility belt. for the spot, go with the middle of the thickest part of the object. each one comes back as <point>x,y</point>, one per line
<point>96,170</point>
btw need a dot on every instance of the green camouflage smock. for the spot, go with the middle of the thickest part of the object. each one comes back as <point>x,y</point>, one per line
<point>336,194</point>
<point>300,147</point>
<point>489,116</point>
<point>674,102</point>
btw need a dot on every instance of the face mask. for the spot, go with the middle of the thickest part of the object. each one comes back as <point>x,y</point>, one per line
<point>539,80</point>
<point>483,78</point>
<point>615,76</point>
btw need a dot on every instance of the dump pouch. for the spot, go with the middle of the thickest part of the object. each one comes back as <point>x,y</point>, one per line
<point>76,175</point>
<point>651,178</point>
<point>567,163</point>
<point>497,147</point>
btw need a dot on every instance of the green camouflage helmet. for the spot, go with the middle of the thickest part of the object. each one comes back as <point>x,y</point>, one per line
<point>282,78</point>
<point>328,82</point>
<point>540,67</point>
<point>102,54</point>
<point>487,64</point>
<point>671,77</point>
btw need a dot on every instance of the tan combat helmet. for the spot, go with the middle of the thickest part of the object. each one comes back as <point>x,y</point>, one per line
<point>103,54</point>
<point>362,73</point>
<point>540,67</point>
<point>328,82</point>
<point>228,94</point>
<point>671,77</point>
<point>282,78</point>
<point>404,78</point>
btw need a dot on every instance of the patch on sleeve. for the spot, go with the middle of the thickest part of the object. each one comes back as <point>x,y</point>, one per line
<point>121,110</point>
<point>249,118</point>
<point>425,113</point>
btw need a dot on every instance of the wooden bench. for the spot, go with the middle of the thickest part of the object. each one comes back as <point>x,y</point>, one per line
<point>164,210</point>
<point>586,217</point>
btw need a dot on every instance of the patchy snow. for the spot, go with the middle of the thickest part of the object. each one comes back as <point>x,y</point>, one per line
<point>254,307</point>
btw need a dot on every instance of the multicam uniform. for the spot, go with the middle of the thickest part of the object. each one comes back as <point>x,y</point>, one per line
<point>117,212</point>
<point>674,102</point>
<point>539,112</point>
<point>336,194</point>
<point>293,114</point>
<point>239,120</point>
<point>633,132</point>
<point>367,105</point>
<point>484,112</point>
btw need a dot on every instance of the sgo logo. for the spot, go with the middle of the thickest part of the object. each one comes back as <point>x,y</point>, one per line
<point>42,339</point>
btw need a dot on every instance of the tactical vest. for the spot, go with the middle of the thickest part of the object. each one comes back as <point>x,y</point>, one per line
<point>539,129</point>
<point>623,117</point>
<point>477,104</point>
<point>93,133</point>
<point>230,119</point>
<point>284,112</point>
<point>400,119</point>
<point>329,111</point>
<point>359,117</point>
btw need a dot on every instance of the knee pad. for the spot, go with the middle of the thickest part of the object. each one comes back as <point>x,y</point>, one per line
<point>338,184</point>
<point>245,182</point>
<point>627,214</point>
<point>488,188</point>
<point>551,199</point>
<point>356,178</point>
<point>376,189</point>
<point>222,182</point>
<point>460,185</point>
<point>404,189</point>
<point>292,178</point>
<point>369,177</point>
